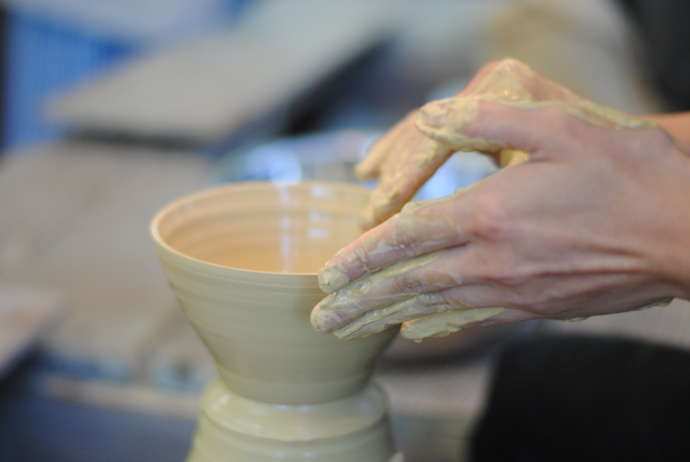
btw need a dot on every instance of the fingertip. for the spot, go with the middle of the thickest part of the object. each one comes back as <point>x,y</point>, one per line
<point>445,122</point>
<point>386,200</point>
<point>332,278</point>
<point>316,319</point>
<point>366,170</point>
<point>323,320</point>
<point>379,210</point>
<point>433,114</point>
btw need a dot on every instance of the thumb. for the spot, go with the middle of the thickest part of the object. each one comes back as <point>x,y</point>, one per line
<point>475,124</point>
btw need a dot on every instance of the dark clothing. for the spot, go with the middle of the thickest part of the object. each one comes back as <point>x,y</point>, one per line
<point>583,398</point>
<point>664,30</point>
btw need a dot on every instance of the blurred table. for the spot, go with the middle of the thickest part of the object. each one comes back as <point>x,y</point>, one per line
<point>75,221</point>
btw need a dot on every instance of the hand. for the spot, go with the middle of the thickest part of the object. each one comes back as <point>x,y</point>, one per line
<point>405,158</point>
<point>594,222</point>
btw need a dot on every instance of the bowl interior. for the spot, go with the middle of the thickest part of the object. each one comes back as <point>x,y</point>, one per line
<point>263,226</point>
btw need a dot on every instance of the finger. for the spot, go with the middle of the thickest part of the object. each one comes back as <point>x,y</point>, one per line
<point>446,323</point>
<point>420,228</point>
<point>512,79</point>
<point>401,146</point>
<point>431,272</point>
<point>475,124</point>
<point>400,181</point>
<point>370,166</point>
<point>480,77</point>
<point>376,321</point>
<point>465,297</point>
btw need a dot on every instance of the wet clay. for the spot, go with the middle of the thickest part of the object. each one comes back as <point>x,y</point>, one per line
<point>374,321</point>
<point>284,392</point>
<point>332,279</point>
<point>514,84</point>
<point>443,324</point>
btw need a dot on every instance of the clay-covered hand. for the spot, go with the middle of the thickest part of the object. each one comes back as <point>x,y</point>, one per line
<point>405,158</point>
<point>596,221</point>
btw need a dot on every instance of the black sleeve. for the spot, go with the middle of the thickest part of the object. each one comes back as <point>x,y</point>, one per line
<point>664,30</point>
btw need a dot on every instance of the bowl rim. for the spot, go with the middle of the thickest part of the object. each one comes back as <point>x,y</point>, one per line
<point>163,212</point>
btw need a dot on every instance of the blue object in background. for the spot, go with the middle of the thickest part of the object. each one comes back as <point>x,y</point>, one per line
<point>44,56</point>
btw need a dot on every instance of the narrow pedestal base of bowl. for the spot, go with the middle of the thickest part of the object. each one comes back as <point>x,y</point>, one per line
<point>237,429</point>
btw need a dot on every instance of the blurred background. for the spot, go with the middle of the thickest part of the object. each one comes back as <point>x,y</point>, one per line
<point>111,109</point>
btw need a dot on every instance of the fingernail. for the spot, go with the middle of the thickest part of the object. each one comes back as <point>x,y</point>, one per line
<point>332,279</point>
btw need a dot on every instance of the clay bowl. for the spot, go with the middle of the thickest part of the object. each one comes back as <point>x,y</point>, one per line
<point>243,260</point>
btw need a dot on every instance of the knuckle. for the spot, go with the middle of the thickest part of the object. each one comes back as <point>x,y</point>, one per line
<point>490,219</point>
<point>511,64</point>
<point>407,284</point>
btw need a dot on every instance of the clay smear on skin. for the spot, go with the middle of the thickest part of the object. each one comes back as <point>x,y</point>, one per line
<point>376,320</point>
<point>332,279</point>
<point>508,84</point>
<point>443,324</point>
<point>344,303</point>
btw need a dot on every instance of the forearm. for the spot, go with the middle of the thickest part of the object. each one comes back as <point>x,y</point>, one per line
<point>670,241</point>
<point>677,124</point>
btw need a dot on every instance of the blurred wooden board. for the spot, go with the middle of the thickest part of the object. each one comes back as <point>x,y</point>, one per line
<point>210,87</point>
<point>25,314</point>
<point>75,219</point>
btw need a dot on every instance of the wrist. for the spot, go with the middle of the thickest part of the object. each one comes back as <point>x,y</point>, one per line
<point>670,258</point>
<point>677,125</point>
